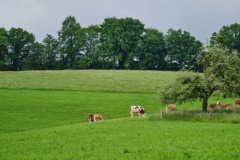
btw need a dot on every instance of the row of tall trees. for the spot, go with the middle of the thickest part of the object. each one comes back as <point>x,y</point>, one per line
<point>122,43</point>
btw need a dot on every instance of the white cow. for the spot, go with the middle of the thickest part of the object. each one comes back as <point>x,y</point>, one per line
<point>137,109</point>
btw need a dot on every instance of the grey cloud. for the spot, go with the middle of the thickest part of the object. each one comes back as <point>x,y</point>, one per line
<point>199,17</point>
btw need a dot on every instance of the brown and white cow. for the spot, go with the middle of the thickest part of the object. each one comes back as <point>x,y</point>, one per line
<point>236,102</point>
<point>97,117</point>
<point>214,105</point>
<point>225,105</point>
<point>90,118</point>
<point>137,109</point>
<point>171,107</point>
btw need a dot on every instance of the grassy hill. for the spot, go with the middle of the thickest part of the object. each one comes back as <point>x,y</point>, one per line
<point>40,99</point>
<point>88,80</point>
<point>43,116</point>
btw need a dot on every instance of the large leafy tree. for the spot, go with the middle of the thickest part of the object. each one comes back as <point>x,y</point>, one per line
<point>221,73</point>
<point>119,38</point>
<point>183,50</point>
<point>51,51</point>
<point>152,50</point>
<point>89,58</point>
<point>228,37</point>
<point>36,59</point>
<point>19,42</point>
<point>3,47</point>
<point>69,46</point>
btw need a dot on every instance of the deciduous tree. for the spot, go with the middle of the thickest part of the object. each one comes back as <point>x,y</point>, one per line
<point>152,50</point>
<point>120,38</point>
<point>20,42</point>
<point>183,50</point>
<point>69,46</point>
<point>228,37</point>
<point>3,47</point>
<point>221,73</point>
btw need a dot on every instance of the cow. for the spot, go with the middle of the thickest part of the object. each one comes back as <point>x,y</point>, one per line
<point>171,107</point>
<point>224,105</point>
<point>90,118</point>
<point>213,105</point>
<point>97,117</point>
<point>236,102</point>
<point>137,109</point>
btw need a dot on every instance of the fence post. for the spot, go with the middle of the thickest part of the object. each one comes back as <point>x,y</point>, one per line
<point>161,114</point>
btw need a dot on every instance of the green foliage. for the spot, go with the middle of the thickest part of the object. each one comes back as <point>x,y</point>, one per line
<point>152,50</point>
<point>51,52</point>
<point>183,50</point>
<point>187,86</point>
<point>228,37</point>
<point>69,43</point>
<point>117,43</point>
<point>36,59</point>
<point>90,52</point>
<point>20,42</point>
<point>221,70</point>
<point>3,47</point>
<point>120,39</point>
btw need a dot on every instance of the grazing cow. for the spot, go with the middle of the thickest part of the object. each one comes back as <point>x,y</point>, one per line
<point>213,105</point>
<point>137,109</point>
<point>97,117</point>
<point>236,102</point>
<point>224,105</point>
<point>171,107</point>
<point>90,118</point>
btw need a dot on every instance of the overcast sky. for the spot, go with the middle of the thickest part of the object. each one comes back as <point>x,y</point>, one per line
<point>199,17</point>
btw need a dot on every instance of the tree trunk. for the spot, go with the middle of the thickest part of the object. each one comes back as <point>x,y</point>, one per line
<point>204,104</point>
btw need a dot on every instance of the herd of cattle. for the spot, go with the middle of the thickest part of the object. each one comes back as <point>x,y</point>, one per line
<point>170,107</point>
<point>236,102</point>
<point>133,109</point>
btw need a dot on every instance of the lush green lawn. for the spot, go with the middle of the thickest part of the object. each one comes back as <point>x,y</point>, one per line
<point>23,110</point>
<point>43,116</point>
<point>125,139</point>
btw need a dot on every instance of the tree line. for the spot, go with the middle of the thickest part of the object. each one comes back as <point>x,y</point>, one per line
<point>117,43</point>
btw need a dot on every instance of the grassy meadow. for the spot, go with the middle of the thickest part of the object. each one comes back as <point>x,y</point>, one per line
<point>88,80</point>
<point>43,116</point>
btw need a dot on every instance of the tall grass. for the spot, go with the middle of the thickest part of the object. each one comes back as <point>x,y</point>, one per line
<point>222,115</point>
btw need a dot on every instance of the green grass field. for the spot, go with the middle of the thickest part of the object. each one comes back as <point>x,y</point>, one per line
<point>43,116</point>
<point>88,80</point>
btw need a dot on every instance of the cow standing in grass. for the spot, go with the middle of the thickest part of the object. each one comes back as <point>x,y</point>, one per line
<point>213,105</point>
<point>236,102</point>
<point>97,117</point>
<point>225,105</point>
<point>171,107</point>
<point>137,109</point>
<point>90,118</point>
